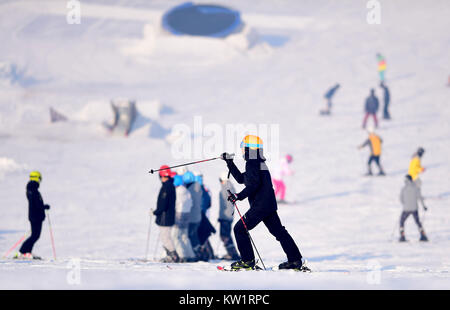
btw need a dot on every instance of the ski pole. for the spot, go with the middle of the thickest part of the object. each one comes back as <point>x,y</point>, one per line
<point>248,232</point>
<point>15,244</point>
<point>148,235</point>
<point>51,235</point>
<point>191,163</point>
<point>156,246</point>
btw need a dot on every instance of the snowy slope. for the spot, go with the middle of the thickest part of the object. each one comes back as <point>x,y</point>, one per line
<point>99,188</point>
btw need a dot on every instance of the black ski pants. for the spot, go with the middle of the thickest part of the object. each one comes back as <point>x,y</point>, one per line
<point>27,246</point>
<point>272,221</point>
<point>405,215</point>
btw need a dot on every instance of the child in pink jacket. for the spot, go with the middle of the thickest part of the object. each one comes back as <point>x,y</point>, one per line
<point>281,170</point>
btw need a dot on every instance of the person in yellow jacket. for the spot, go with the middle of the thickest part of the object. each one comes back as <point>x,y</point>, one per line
<point>374,141</point>
<point>415,166</point>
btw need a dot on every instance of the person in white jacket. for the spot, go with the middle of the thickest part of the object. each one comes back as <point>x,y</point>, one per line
<point>183,206</point>
<point>281,169</point>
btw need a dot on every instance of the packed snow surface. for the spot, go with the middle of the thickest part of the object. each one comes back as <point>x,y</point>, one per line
<point>275,73</point>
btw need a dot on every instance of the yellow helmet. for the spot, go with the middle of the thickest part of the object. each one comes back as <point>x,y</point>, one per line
<point>35,176</point>
<point>252,142</point>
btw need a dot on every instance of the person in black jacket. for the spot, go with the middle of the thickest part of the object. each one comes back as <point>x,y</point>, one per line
<point>263,206</point>
<point>165,213</point>
<point>36,215</point>
<point>371,108</point>
<point>387,99</point>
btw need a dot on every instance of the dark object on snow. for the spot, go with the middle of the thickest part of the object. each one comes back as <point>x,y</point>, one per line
<point>55,116</point>
<point>124,116</point>
<point>202,20</point>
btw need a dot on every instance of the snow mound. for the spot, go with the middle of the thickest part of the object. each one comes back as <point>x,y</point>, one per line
<point>156,44</point>
<point>8,165</point>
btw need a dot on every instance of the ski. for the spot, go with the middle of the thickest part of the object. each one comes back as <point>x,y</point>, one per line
<point>257,268</point>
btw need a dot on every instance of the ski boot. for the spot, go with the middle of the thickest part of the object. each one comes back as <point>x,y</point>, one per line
<point>382,173</point>
<point>172,257</point>
<point>241,265</point>
<point>299,265</point>
<point>26,256</point>
<point>402,237</point>
<point>423,237</point>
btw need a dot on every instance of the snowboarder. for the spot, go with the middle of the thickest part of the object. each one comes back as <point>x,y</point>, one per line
<point>387,99</point>
<point>415,166</point>
<point>281,169</point>
<point>328,96</point>
<point>36,215</point>
<point>371,108</point>
<point>195,217</point>
<point>409,196</point>
<point>183,205</point>
<point>165,213</point>
<point>263,206</point>
<point>381,66</point>
<point>226,213</point>
<point>374,141</point>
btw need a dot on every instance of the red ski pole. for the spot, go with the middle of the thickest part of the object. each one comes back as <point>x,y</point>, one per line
<point>248,232</point>
<point>16,244</point>
<point>51,235</point>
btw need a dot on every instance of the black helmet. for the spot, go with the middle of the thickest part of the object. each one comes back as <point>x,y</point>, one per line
<point>420,151</point>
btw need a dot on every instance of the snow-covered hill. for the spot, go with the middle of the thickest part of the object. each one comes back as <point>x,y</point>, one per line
<point>99,188</point>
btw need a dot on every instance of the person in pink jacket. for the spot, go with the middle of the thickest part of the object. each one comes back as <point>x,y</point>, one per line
<point>281,169</point>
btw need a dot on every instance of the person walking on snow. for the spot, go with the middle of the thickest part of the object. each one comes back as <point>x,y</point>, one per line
<point>328,96</point>
<point>165,213</point>
<point>281,170</point>
<point>415,166</point>
<point>374,141</point>
<point>36,215</point>
<point>371,108</point>
<point>183,205</point>
<point>263,206</point>
<point>409,197</point>
<point>226,213</point>
<point>387,99</point>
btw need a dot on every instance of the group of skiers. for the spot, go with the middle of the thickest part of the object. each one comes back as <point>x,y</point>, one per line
<point>181,215</point>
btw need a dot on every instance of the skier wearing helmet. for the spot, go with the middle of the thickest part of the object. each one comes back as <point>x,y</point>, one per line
<point>263,206</point>
<point>415,166</point>
<point>36,215</point>
<point>165,213</point>
<point>374,141</point>
<point>281,170</point>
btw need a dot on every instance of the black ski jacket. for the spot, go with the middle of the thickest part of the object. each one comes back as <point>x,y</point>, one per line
<point>372,104</point>
<point>258,185</point>
<point>36,207</point>
<point>165,210</point>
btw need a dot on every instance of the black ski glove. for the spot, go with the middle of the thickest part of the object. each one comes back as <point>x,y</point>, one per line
<point>226,157</point>
<point>46,207</point>
<point>232,197</point>
<point>425,208</point>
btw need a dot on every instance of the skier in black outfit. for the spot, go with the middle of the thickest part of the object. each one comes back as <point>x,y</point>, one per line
<point>263,206</point>
<point>165,213</point>
<point>36,214</point>
<point>387,99</point>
